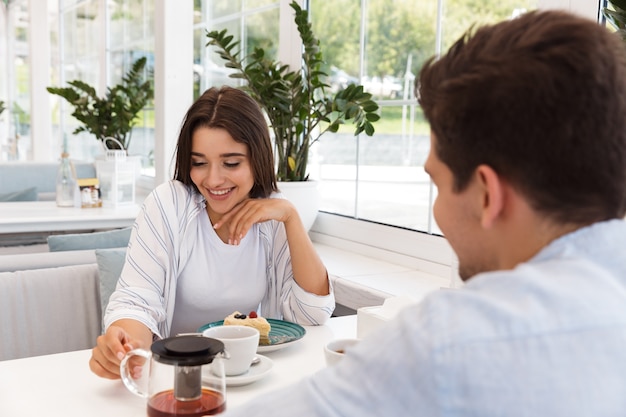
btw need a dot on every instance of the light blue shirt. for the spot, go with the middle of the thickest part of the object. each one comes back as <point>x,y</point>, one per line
<point>545,339</point>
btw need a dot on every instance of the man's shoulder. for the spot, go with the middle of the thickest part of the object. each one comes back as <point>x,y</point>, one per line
<point>531,300</point>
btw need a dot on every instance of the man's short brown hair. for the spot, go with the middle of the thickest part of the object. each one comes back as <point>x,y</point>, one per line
<point>542,100</point>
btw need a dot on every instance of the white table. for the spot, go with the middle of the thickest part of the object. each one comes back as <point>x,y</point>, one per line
<point>46,216</point>
<point>62,384</point>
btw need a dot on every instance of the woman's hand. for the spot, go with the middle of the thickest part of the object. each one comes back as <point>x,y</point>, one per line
<point>112,346</point>
<point>257,210</point>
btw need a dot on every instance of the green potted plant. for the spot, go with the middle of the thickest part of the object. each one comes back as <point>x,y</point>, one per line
<point>298,103</point>
<point>2,106</point>
<point>617,16</point>
<point>115,114</point>
<point>112,116</point>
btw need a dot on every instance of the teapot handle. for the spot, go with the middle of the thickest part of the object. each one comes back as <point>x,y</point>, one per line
<point>127,377</point>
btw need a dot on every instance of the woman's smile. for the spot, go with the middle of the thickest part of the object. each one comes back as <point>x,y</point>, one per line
<point>220,194</point>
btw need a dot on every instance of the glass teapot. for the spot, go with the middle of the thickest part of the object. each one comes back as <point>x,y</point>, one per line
<point>185,377</point>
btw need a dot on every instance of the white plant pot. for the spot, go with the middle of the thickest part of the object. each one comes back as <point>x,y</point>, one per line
<point>305,196</point>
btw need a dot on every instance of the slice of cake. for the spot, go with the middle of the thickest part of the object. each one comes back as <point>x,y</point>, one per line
<point>251,320</point>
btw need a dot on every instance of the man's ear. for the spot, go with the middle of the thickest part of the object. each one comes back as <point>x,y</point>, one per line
<point>493,194</point>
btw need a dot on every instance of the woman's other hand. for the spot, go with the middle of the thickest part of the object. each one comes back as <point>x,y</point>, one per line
<point>111,347</point>
<point>257,210</point>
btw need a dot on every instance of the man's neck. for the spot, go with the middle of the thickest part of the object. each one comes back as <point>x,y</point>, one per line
<point>527,236</point>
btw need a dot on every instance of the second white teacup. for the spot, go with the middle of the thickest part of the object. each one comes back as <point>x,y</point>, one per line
<point>240,343</point>
<point>335,349</point>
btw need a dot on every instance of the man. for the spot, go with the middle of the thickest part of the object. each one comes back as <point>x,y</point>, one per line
<point>528,152</point>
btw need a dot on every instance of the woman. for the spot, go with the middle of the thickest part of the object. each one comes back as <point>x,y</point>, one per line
<point>214,240</point>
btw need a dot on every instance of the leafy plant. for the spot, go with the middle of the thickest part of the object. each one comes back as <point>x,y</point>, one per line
<point>295,101</point>
<point>617,16</point>
<point>113,115</point>
<point>2,106</point>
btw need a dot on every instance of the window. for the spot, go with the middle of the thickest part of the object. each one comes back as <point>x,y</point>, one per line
<point>14,81</point>
<point>80,24</point>
<point>130,37</point>
<point>382,45</point>
<point>248,19</point>
<point>100,40</point>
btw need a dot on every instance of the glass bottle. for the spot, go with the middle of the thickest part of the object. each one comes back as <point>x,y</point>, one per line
<point>67,184</point>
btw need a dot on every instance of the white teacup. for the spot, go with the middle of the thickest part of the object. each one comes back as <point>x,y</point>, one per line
<point>240,344</point>
<point>335,349</point>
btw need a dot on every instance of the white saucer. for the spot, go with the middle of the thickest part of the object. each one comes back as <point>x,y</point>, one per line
<point>255,373</point>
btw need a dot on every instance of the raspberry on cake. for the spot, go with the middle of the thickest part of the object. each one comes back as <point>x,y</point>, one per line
<point>251,320</point>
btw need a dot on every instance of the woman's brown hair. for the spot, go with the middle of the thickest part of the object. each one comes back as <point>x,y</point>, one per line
<point>236,112</point>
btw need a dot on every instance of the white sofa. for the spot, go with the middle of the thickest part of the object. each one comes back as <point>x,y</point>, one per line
<point>52,295</point>
<point>50,302</point>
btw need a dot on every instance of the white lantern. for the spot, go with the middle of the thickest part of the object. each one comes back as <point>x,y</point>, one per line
<point>116,175</point>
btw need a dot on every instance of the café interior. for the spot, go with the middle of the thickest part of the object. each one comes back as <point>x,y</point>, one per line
<point>372,225</point>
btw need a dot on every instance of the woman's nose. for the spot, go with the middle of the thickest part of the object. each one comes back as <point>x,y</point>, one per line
<point>214,176</point>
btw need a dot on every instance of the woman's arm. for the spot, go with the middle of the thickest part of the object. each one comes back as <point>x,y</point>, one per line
<point>147,286</point>
<point>308,269</point>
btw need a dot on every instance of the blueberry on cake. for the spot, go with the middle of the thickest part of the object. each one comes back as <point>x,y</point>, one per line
<point>250,320</point>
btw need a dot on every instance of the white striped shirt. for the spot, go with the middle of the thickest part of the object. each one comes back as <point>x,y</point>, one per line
<point>160,246</point>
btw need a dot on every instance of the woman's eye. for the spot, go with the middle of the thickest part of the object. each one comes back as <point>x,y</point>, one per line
<point>197,163</point>
<point>231,164</point>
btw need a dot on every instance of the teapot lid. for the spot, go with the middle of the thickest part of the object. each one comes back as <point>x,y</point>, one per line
<point>187,350</point>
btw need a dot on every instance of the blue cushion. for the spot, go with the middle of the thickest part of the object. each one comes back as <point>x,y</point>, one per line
<point>110,263</point>
<point>28,194</point>
<point>98,240</point>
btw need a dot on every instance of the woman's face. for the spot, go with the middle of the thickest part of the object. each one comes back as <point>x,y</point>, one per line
<point>220,169</point>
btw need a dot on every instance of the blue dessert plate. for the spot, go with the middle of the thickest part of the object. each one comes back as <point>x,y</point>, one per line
<point>282,334</point>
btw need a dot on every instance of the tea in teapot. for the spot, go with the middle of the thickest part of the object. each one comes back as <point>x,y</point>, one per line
<point>178,382</point>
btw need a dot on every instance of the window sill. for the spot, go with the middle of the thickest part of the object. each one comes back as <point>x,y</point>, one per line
<point>362,281</point>
<point>368,263</point>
